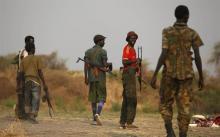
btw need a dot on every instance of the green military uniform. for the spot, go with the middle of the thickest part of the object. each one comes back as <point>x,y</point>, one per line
<point>19,110</point>
<point>97,78</point>
<point>30,66</point>
<point>178,72</point>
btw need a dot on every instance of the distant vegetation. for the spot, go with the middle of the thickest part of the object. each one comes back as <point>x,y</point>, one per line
<point>69,92</point>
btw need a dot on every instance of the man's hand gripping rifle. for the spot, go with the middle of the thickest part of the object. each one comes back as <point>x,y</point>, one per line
<point>46,98</point>
<point>107,68</point>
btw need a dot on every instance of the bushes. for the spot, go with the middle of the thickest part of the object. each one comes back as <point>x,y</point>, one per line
<point>69,92</point>
<point>116,106</point>
<point>6,61</point>
<point>9,102</point>
<point>207,102</point>
<point>53,62</point>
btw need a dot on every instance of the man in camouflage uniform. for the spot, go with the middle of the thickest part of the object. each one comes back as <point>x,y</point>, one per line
<point>130,63</point>
<point>177,75</point>
<point>95,76</point>
<point>19,108</point>
<point>31,76</point>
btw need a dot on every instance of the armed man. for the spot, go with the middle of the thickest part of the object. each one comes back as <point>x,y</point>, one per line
<point>95,69</point>
<point>19,108</point>
<point>177,75</point>
<point>130,69</point>
<point>31,76</point>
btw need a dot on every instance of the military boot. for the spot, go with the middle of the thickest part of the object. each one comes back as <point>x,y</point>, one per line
<point>169,129</point>
<point>182,134</point>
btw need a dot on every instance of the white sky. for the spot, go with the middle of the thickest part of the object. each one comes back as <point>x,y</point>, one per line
<point>68,26</point>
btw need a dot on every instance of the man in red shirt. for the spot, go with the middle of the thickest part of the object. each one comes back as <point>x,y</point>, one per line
<point>129,103</point>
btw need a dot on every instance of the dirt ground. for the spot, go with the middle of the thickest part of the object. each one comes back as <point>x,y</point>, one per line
<point>79,125</point>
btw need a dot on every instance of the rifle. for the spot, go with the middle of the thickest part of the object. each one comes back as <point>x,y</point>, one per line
<point>109,66</point>
<point>47,98</point>
<point>140,67</point>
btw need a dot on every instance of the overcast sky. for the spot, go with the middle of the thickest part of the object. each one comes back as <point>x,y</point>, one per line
<point>68,26</point>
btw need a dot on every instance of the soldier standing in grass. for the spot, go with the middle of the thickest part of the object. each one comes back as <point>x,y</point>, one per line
<point>177,75</point>
<point>130,63</point>
<point>95,76</point>
<point>31,76</point>
<point>19,108</point>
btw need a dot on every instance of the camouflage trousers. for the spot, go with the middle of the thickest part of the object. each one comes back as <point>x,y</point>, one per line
<point>129,103</point>
<point>97,91</point>
<point>32,98</point>
<point>19,110</point>
<point>180,91</point>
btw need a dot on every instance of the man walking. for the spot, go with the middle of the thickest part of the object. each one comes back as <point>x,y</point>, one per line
<point>177,75</point>
<point>31,76</point>
<point>95,69</point>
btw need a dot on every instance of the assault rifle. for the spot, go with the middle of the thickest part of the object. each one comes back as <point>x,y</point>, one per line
<point>101,68</point>
<point>140,67</point>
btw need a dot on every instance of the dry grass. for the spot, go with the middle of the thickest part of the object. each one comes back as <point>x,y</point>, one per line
<point>7,83</point>
<point>14,129</point>
<point>68,91</point>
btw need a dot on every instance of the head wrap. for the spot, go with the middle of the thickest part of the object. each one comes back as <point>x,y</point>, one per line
<point>131,33</point>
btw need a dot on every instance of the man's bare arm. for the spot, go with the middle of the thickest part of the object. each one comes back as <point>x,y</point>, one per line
<point>42,79</point>
<point>198,63</point>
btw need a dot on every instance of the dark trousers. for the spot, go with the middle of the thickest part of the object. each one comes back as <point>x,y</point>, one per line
<point>128,110</point>
<point>19,110</point>
<point>129,103</point>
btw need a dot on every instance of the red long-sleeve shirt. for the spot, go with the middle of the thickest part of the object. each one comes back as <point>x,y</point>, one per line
<point>129,53</point>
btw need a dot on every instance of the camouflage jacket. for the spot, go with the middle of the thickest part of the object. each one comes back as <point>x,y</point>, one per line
<point>96,55</point>
<point>179,39</point>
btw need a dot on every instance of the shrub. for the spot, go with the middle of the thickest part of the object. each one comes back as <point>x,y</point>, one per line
<point>9,102</point>
<point>116,107</point>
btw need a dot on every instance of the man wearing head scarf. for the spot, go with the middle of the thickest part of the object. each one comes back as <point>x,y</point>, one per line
<point>31,76</point>
<point>177,75</point>
<point>96,77</point>
<point>130,68</point>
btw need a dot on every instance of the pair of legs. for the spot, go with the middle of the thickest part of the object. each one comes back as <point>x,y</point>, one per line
<point>128,110</point>
<point>97,96</point>
<point>19,110</point>
<point>179,90</point>
<point>97,109</point>
<point>129,103</point>
<point>32,99</point>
